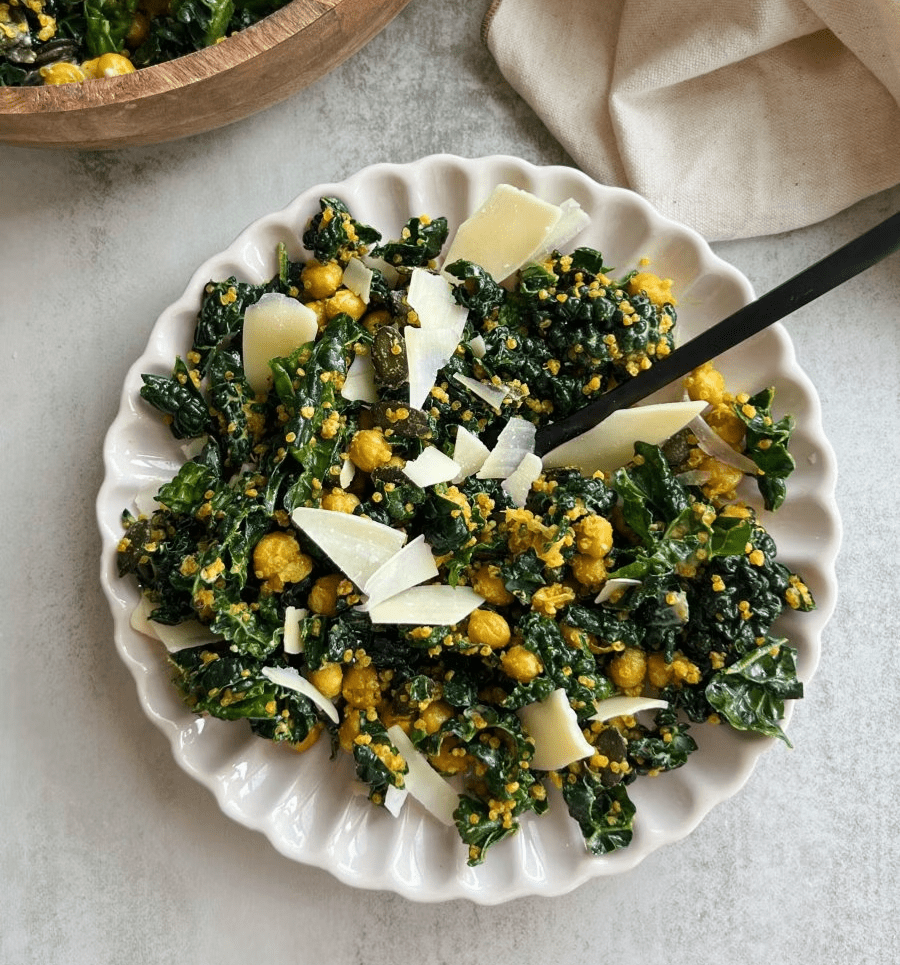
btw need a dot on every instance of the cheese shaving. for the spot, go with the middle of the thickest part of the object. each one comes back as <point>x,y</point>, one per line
<point>356,546</point>
<point>494,395</point>
<point>412,565</point>
<point>359,385</point>
<point>518,484</point>
<point>431,467</point>
<point>422,781</point>
<point>625,706</point>
<point>293,643</point>
<point>553,725</point>
<point>358,278</point>
<point>515,441</point>
<point>613,586</point>
<point>436,604</point>
<point>290,679</point>
<point>274,327</point>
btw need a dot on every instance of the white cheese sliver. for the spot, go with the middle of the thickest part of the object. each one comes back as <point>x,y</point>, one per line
<point>433,605</point>
<point>180,636</point>
<point>431,467</point>
<point>431,298</point>
<point>412,565</point>
<point>492,394</point>
<point>422,781</point>
<point>348,471</point>
<point>394,799</point>
<point>515,441</point>
<point>359,385</point>
<point>573,219</point>
<point>140,619</point>
<point>518,483</point>
<point>612,586</point>
<point>610,444</point>
<point>357,546</point>
<point>358,278</point>
<point>714,445</point>
<point>293,642</point>
<point>469,452</point>
<point>504,232</point>
<point>391,275</point>
<point>558,740</point>
<point>478,346</point>
<point>625,706</point>
<point>290,679</point>
<point>426,352</point>
<point>273,327</point>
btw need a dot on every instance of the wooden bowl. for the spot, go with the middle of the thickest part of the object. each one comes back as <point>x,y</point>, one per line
<point>245,73</point>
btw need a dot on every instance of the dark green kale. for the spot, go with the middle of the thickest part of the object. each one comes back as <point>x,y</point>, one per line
<point>664,748</point>
<point>750,694</point>
<point>108,22</point>
<point>334,232</point>
<point>180,399</point>
<point>767,445</point>
<point>604,814</point>
<point>420,243</point>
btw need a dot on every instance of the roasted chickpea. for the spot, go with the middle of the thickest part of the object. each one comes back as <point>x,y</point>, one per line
<point>520,663</point>
<point>489,629</point>
<point>369,449</point>
<point>321,281</point>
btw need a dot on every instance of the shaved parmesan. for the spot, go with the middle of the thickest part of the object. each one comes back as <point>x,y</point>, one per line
<point>573,219</point>
<point>290,679</point>
<point>437,604</point>
<point>357,546</point>
<point>358,278</point>
<point>427,351</point>
<point>412,565</point>
<point>145,502</point>
<point>293,642</point>
<point>431,467</point>
<point>391,275</point>
<point>180,636</point>
<point>422,781</point>
<point>553,725</point>
<point>494,395</point>
<point>514,443</point>
<point>714,445</point>
<point>140,618</point>
<point>518,483</point>
<point>359,385</point>
<point>469,452</point>
<point>478,346</point>
<point>613,586</point>
<point>505,232</point>
<point>273,327</point>
<point>348,471</point>
<point>625,706</point>
<point>610,444</point>
<point>431,298</point>
<point>394,798</point>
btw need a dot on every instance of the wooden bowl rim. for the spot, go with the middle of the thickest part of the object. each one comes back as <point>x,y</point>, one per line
<point>180,73</point>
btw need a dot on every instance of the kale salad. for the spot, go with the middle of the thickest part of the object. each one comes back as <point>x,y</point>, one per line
<point>67,41</point>
<point>361,547</point>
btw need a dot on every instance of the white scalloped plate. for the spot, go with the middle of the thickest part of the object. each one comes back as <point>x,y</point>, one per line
<point>307,805</point>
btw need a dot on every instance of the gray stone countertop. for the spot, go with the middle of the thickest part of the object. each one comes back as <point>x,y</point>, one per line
<point>109,853</point>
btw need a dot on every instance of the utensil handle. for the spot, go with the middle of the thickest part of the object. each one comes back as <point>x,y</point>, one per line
<point>833,270</point>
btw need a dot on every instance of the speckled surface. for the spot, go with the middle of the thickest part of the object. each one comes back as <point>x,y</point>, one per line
<point>109,853</point>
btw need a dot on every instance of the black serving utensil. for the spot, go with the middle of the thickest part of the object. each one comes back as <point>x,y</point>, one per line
<point>833,270</point>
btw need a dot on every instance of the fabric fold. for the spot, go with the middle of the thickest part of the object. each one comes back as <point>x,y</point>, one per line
<point>737,119</point>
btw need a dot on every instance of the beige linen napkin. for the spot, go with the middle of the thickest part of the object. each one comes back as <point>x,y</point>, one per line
<point>737,117</point>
